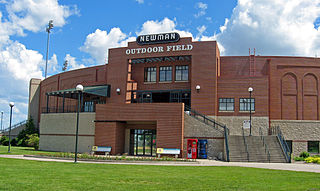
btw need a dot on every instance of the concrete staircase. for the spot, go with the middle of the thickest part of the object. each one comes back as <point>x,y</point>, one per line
<point>256,149</point>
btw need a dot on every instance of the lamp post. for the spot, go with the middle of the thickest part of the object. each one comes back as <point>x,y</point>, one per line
<point>50,26</point>
<point>79,88</point>
<point>250,90</point>
<point>1,121</point>
<point>11,104</point>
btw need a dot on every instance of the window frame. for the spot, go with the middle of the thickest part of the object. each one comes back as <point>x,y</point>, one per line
<point>311,150</point>
<point>226,101</point>
<point>166,72</point>
<point>247,104</point>
<point>148,72</point>
<point>181,69</point>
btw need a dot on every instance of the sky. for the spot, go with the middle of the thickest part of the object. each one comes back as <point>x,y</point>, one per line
<point>85,30</point>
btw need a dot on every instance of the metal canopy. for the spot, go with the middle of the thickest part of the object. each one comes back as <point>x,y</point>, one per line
<point>103,90</point>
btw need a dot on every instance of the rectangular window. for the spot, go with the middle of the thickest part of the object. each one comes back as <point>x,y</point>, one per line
<point>182,73</point>
<point>150,74</point>
<point>313,146</point>
<point>226,104</point>
<point>165,74</point>
<point>245,104</point>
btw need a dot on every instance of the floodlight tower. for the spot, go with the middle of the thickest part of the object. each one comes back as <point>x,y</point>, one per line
<point>50,26</point>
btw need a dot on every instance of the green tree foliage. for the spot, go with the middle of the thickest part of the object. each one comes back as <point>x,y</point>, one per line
<point>23,135</point>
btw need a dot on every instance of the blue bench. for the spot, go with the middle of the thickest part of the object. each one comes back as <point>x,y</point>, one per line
<point>106,150</point>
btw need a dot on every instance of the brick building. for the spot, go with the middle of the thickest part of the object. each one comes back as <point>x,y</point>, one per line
<point>139,99</point>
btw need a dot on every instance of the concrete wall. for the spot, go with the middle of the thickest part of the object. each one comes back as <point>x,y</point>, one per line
<point>57,132</point>
<point>300,132</point>
<point>195,129</point>
<point>15,131</point>
<point>235,123</point>
<point>34,98</point>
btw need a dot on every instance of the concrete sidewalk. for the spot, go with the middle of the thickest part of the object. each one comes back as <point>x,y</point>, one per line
<point>199,162</point>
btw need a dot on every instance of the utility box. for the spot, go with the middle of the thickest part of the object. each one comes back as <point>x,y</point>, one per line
<point>203,148</point>
<point>192,148</point>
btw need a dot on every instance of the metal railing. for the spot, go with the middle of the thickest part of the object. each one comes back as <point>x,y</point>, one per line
<point>277,131</point>
<point>218,126</point>
<point>246,144</point>
<point>16,125</point>
<point>266,148</point>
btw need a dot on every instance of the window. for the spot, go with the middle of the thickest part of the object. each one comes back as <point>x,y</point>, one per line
<point>245,104</point>
<point>182,73</point>
<point>313,146</point>
<point>150,74</point>
<point>165,74</point>
<point>226,104</point>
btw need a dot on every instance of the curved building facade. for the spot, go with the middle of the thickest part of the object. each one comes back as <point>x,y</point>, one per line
<point>137,102</point>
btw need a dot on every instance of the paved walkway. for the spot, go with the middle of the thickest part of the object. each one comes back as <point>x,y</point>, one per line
<point>200,162</point>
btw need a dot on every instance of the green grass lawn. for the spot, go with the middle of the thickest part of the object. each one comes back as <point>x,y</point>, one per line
<point>18,174</point>
<point>20,151</point>
<point>34,175</point>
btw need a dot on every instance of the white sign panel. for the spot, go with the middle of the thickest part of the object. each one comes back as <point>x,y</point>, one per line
<point>168,151</point>
<point>173,48</point>
<point>246,124</point>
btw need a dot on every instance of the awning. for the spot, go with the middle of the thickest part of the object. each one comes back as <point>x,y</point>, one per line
<point>101,90</point>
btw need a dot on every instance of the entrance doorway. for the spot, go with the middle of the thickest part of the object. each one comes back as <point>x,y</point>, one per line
<point>143,142</point>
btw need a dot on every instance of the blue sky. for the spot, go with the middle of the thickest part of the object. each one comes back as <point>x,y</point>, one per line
<point>85,30</point>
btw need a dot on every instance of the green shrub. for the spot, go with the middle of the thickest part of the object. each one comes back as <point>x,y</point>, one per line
<point>304,154</point>
<point>299,158</point>
<point>4,140</point>
<point>313,159</point>
<point>13,142</point>
<point>33,141</point>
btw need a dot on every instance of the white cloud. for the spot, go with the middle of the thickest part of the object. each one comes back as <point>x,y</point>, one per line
<point>140,1</point>
<point>18,64</point>
<point>98,43</point>
<point>202,7</point>
<point>166,25</point>
<point>21,62</point>
<point>72,63</point>
<point>273,27</point>
<point>201,29</point>
<point>33,15</point>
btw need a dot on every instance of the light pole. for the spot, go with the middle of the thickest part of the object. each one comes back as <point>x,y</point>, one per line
<point>50,26</point>
<point>1,121</point>
<point>79,88</point>
<point>11,104</point>
<point>250,90</point>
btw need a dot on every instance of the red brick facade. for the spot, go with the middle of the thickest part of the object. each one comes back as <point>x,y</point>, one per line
<point>284,88</point>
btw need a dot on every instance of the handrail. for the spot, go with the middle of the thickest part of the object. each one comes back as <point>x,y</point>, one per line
<point>204,118</point>
<point>211,123</point>
<point>245,143</point>
<point>277,131</point>
<point>226,133</point>
<point>15,125</point>
<point>266,148</point>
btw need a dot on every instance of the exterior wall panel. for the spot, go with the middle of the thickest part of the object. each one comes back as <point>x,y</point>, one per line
<point>168,117</point>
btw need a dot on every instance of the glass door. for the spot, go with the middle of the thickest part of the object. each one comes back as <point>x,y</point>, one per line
<point>143,142</point>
